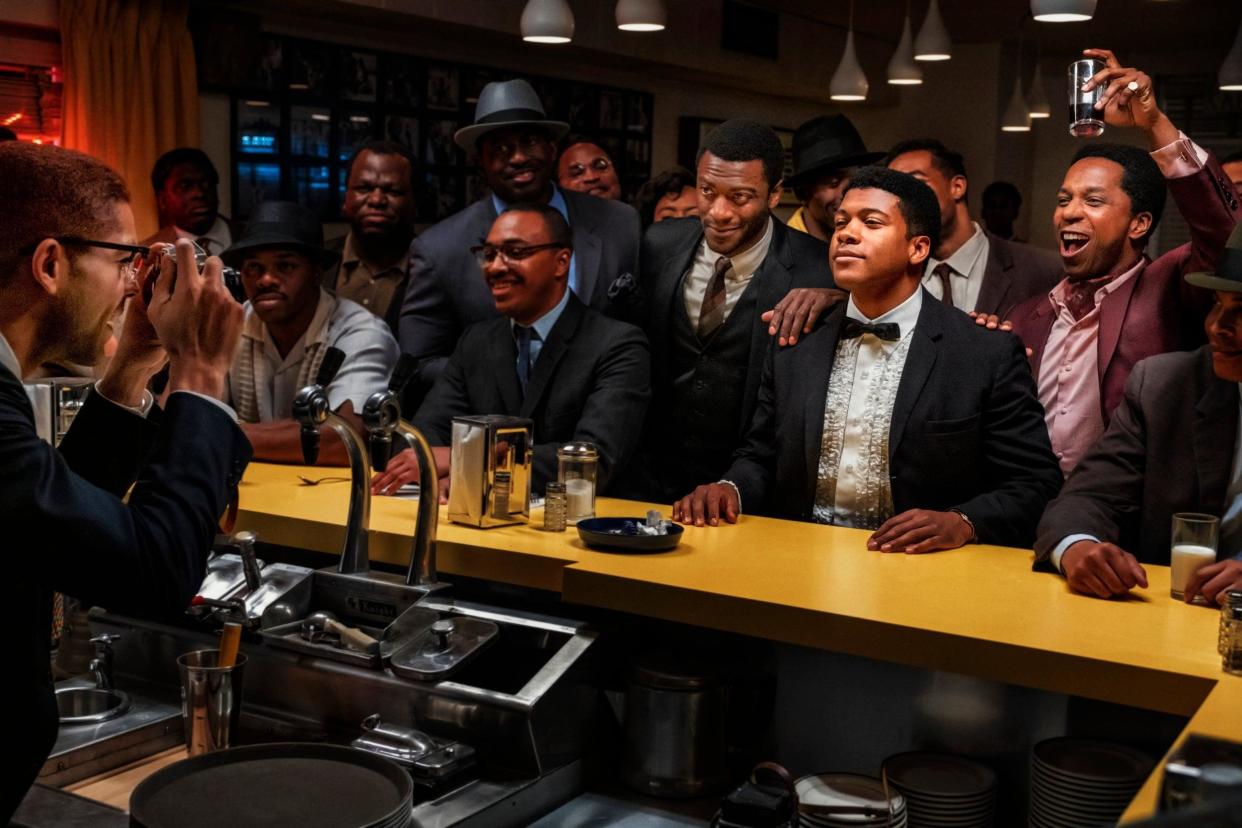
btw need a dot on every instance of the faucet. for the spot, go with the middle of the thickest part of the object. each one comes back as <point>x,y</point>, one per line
<point>101,665</point>
<point>244,542</point>
<point>382,416</point>
<point>312,409</point>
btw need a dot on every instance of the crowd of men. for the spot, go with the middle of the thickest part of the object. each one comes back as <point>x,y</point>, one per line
<point>882,361</point>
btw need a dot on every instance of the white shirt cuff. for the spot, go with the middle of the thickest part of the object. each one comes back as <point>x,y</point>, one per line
<point>222,406</point>
<point>1066,543</point>
<point>142,409</point>
<point>1181,158</point>
<point>736,491</point>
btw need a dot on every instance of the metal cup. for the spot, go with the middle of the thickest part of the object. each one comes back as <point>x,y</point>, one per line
<point>1085,121</point>
<point>211,699</point>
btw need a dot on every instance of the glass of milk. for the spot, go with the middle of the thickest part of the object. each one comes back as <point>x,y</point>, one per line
<point>1194,546</point>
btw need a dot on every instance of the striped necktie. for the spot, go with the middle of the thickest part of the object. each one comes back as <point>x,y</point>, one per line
<point>712,313</point>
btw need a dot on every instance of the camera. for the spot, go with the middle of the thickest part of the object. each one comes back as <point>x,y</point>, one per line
<point>232,276</point>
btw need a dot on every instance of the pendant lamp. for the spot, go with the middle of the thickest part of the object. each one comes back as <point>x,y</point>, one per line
<point>547,21</point>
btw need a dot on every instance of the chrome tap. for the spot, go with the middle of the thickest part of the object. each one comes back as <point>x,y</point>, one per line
<point>101,665</point>
<point>244,542</point>
<point>312,409</point>
<point>382,416</point>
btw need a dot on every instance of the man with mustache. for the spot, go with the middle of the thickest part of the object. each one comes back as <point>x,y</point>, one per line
<point>291,322</point>
<point>379,206</point>
<point>188,201</point>
<point>516,147</point>
<point>897,414</point>
<point>971,269</point>
<point>1115,306</point>
<point>123,512</point>
<point>706,282</point>
<point>585,168</point>
<point>548,356</point>
<point>1171,446</point>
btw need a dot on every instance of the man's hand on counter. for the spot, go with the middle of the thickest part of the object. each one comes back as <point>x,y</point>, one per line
<point>921,530</point>
<point>707,504</point>
<point>403,468</point>
<point>1104,570</point>
<point>1214,580</point>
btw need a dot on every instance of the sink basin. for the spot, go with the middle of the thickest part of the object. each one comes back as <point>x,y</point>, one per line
<point>89,705</point>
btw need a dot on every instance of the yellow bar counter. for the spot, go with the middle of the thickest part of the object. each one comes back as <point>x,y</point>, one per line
<point>979,610</point>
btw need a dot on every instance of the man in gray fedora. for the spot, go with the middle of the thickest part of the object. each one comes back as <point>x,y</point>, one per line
<point>515,143</point>
<point>291,322</point>
<point>1171,446</point>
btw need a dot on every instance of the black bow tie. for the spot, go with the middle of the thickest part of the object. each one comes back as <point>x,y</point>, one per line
<point>889,331</point>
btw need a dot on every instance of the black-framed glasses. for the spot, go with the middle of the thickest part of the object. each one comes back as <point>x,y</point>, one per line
<point>487,253</point>
<point>129,264</point>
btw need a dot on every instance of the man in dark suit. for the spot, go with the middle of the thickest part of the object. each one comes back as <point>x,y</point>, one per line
<point>379,206</point>
<point>67,265</point>
<point>1115,306</point>
<point>705,283</point>
<point>576,373</point>
<point>1172,446</point>
<point>897,414</point>
<point>188,200</point>
<point>971,269</point>
<point>516,146</point>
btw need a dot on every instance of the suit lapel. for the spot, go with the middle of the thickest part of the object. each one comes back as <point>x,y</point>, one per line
<point>919,363</point>
<point>1215,432</point>
<point>996,278</point>
<point>1113,312</point>
<point>587,247</point>
<point>815,357</point>
<point>559,340</point>
<point>667,292</point>
<point>504,355</point>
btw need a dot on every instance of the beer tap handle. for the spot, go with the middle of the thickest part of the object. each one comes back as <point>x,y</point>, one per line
<point>381,447</point>
<point>310,444</point>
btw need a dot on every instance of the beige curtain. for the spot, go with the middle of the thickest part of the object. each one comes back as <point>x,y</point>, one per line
<point>130,87</point>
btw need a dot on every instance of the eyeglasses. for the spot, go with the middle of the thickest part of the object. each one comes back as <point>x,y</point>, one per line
<point>600,164</point>
<point>487,253</point>
<point>129,265</point>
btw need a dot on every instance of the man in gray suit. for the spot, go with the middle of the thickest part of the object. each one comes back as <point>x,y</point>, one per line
<point>985,274</point>
<point>548,356</point>
<point>516,146</point>
<point>1171,446</point>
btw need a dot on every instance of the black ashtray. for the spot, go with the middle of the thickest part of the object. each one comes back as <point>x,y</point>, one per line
<point>621,534</point>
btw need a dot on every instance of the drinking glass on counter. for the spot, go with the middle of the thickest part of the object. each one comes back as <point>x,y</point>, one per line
<point>1085,121</point>
<point>210,700</point>
<point>577,467</point>
<point>1193,546</point>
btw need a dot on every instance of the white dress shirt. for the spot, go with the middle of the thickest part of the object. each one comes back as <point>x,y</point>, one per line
<point>969,263</point>
<point>742,267</point>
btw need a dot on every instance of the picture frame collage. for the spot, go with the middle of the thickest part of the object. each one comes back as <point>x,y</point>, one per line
<point>301,107</point>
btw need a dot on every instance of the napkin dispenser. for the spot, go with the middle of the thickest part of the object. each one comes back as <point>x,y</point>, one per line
<point>489,470</point>
<point>56,401</point>
<point>1203,768</point>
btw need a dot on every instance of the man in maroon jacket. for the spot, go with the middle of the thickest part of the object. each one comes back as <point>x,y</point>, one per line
<point>1115,306</point>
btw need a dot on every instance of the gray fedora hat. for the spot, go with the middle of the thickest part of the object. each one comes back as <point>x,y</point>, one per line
<point>507,104</point>
<point>1228,273</point>
<point>285,225</point>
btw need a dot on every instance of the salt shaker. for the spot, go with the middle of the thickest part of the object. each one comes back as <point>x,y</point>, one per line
<point>577,467</point>
<point>554,507</point>
<point>1230,641</point>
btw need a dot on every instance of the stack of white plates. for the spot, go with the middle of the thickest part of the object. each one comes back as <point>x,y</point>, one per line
<point>943,791</point>
<point>1076,782</point>
<point>819,796</point>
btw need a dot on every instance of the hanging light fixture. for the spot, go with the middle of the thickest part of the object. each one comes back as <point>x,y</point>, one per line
<point>1037,98</point>
<point>641,15</point>
<point>547,21</point>
<point>849,83</point>
<point>902,68</point>
<point>933,41</point>
<point>1062,11</point>
<point>1017,117</point>
<point>1230,75</point>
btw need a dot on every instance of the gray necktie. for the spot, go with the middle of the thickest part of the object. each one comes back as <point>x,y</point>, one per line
<point>712,313</point>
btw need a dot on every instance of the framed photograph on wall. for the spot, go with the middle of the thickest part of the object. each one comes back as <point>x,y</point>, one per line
<point>402,87</point>
<point>358,77</point>
<point>402,130</point>
<point>443,87</point>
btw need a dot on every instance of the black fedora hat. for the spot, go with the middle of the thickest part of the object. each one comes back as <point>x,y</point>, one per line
<point>826,143</point>
<point>504,104</point>
<point>285,225</point>
<point>1228,273</point>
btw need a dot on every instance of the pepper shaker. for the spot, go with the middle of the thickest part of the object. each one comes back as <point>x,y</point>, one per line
<point>1229,643</point>
<point>554,507</point>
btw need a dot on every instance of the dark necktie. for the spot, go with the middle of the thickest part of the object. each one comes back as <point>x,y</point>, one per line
<point>944,273</point>
<point>524,365</point>
<point>888,331</point>
<point>1080,296</point>
<point>711,315</point>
